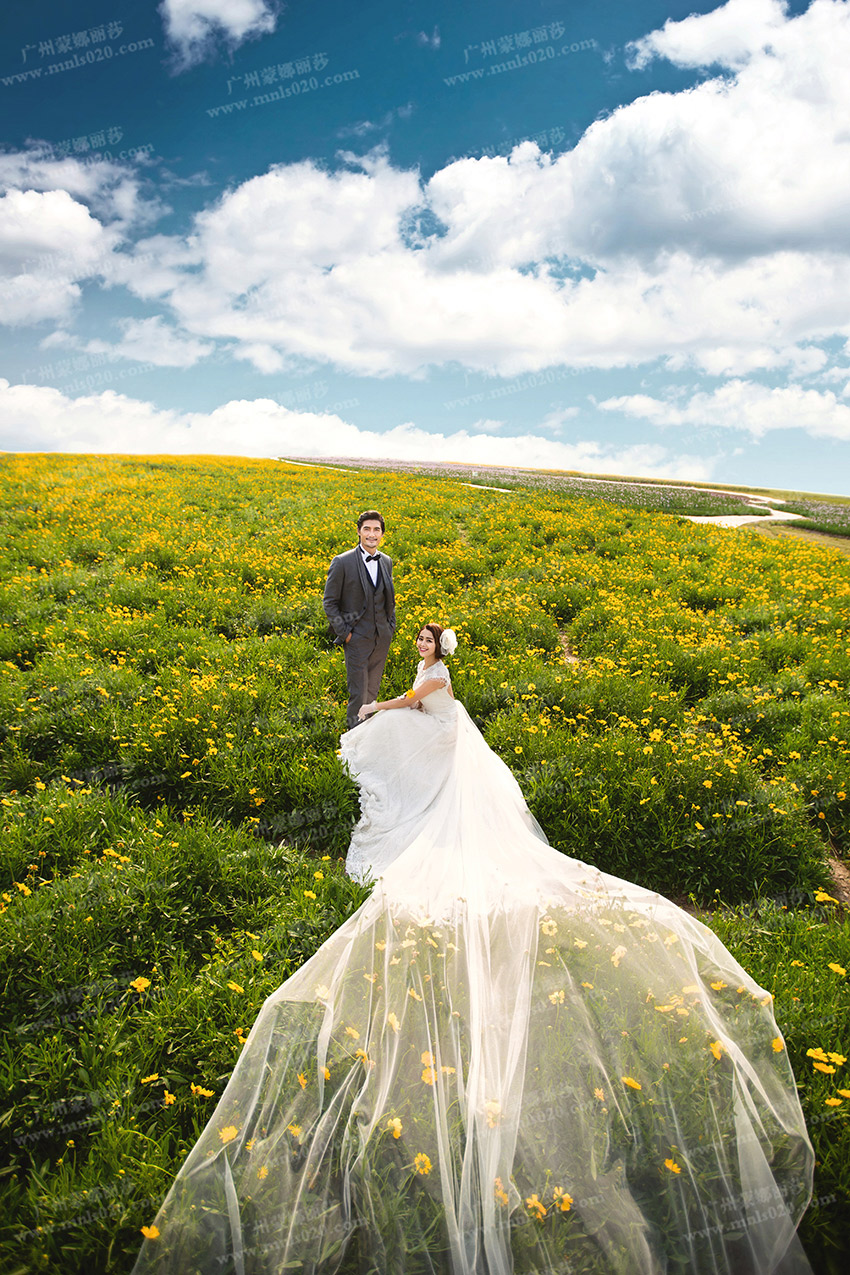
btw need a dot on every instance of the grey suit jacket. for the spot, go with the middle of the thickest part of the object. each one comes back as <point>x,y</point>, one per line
<point>345,597</point>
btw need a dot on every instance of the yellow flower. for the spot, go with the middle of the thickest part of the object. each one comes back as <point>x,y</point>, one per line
<point>716,1048</point>
<point>168,1098</point>
<point>258,956</point>
<point>139,984</point>
<point>706,783</point>
<point>500,1192</point>
<point>199,1092</point>
<point>309,894</point>
<point>228,1133</point>
<point>718,985</point>
<point>322,992</point>
<point>838,969</point>
<point>600,1094</point>
<point>778,1044</point>
<point>150,1232</point>
<point>822,897</point>
<point>588,985</point>
<point>836,1058</point>
<point>421,1163</point>
<point>672,1166</point>
<point>631,1082</point>
<point>493,1112</point>
<point>318,876</point>
<point>262,1172</point>
<point>146,1080</point>
<point>414,995</point>
<point>302,1079</point>
<point>427,1059</point>
<point>395,1124</point>
<point>557,998</point>
<point>845,1093</point>
<point>536,1206</point>
<point>579,943</point>
<point>832,1102</point>
<point>548,926</point>
<point>617,955</point>
<point>234,987</point>
<point>326,1073</point>
<point>428,1075</point>
<point>294,1129</point>
<point>352,1032</point>
<point>393,1022</point>
<point>562,1199</point>
<point>826,1068</point>
<point>817,1053</point>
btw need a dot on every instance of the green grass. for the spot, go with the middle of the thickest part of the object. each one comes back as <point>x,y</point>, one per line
<point>170,706</point>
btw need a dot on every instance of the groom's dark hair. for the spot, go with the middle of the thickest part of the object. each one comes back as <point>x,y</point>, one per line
<point>371,515</point>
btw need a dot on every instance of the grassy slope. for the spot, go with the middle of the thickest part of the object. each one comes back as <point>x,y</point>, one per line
<point>171,707</point>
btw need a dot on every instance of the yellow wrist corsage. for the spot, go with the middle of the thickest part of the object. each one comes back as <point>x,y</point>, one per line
<point>409,694</point>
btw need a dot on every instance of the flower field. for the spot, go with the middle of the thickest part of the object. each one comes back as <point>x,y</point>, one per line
<point>174,812</point>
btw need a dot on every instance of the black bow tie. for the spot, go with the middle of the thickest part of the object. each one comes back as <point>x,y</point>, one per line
<point>372,557</point>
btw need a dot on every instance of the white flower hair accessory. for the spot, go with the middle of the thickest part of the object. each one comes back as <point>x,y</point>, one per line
<point>448,642</point>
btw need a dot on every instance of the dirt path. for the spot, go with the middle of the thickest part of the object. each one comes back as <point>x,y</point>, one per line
<point>841,543</point>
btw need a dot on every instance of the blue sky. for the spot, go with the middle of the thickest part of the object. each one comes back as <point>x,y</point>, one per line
<point>608,238</point>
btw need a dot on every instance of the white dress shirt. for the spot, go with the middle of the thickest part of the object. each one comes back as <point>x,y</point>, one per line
<point>371,567</point>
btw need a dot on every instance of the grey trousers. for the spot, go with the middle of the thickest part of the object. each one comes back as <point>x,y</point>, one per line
<point>365,657</point>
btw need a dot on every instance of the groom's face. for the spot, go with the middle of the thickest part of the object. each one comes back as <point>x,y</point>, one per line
<point>371,535</point>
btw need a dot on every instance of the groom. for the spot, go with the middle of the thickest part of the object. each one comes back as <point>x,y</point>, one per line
<point>359,601</point>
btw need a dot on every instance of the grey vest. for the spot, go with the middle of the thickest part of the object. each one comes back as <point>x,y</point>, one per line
<point>375,615</point>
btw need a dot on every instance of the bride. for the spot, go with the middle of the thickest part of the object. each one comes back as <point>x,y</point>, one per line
<point>505,1060</point>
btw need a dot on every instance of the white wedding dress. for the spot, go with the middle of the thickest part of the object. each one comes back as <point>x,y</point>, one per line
<point>505,1060</point>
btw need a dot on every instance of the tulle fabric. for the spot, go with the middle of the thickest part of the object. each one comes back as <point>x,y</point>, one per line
<point>505,1060</point>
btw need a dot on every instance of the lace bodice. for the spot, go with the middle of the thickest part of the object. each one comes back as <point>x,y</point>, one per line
<point>439,703</point>
<point>437,670</point>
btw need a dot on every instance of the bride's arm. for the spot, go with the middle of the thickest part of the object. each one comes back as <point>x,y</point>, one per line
<point>407,701</point>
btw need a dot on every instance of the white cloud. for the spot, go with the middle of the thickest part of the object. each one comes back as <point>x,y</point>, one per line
<point>557,419</point>
<point>745,405</point>
<point>709,227</point>
<point>727,36</point>
<point>112,190</point>
<point>193,26</point>
<point>48,244</point>
<point>38,418</point>
<point>62,222</point>
<point>152,341</point>
<point>486,426</point>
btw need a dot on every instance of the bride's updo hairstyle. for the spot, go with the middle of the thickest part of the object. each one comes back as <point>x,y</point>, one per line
<point>445,641</point>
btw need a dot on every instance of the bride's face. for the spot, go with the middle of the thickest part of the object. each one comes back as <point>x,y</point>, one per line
<point>425,643</point>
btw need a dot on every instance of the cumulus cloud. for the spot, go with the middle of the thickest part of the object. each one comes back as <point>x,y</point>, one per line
<point>727,36</point>
<point>745,405</point>
<point>708,227</point>
<point>193,27</point>
<point>48,243</point>
<point>40,418</point>
<point>62,222</point>
<point>154,341</point>
<point>723,243</point>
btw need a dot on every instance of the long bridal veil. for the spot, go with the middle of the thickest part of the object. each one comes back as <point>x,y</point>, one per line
<point>505,1060</point>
